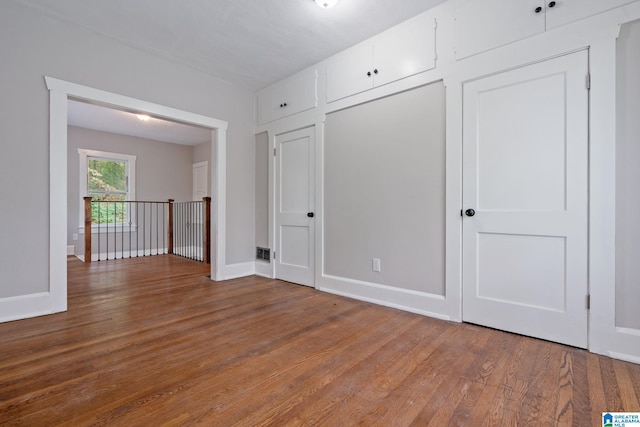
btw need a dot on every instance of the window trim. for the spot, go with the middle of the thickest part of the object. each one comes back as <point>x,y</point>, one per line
<point>83,155</point>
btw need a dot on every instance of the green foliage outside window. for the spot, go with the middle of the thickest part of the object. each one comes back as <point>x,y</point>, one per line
<point>107,182</point>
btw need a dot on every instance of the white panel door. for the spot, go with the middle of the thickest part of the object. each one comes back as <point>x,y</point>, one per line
<point>525,148</point>
<point>294,260</point>
<point>200,180</point>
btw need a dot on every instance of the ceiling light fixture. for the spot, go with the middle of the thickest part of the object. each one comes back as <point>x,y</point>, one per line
<point>326,4</point>
<point>143,117</point>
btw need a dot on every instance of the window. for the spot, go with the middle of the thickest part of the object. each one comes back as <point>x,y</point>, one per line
<point>106,177</point>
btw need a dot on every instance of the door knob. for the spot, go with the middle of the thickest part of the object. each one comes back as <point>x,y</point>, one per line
<point>469,212</point>
<point>538,9</point>
<point>310,214</point>
<point>552,4</point>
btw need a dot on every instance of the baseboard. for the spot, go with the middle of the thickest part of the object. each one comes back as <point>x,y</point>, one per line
<point>25,306</point>
<point>403,299</point>
<point>234,271</point>
<point>71,250</point>
<point>128,254</point>
<point>625,357</point>
<point>263,269</point>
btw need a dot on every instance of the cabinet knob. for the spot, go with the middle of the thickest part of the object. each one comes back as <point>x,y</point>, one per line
<point>369,73</point>
<point>375,71</point>
<point>538,9</point>
<point>285,104</point>
<point>552,4</point>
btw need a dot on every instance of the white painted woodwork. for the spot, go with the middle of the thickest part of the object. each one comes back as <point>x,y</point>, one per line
<point>288,97</point>
<point>525,161</point>
<point>400,52</point>
<point>200,180</point>
<point>567,11</point>
<point>294,260</point>
<point>482,25</point>
<point>348,73</point>
<point>405,50</point>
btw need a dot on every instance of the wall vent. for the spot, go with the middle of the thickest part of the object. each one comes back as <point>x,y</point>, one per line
<point>263,254</point>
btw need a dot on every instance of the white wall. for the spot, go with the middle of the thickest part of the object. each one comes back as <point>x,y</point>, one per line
<point>628,178</point>
<point>32,46</point>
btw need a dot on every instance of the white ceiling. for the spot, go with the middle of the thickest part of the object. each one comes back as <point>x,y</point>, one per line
<point>106,119</point>
<point>252,43</point>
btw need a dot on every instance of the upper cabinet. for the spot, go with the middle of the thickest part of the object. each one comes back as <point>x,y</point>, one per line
<point>400,52</point>
<point>562,12</point>
<point>482,25</point>
<point>290,96</point>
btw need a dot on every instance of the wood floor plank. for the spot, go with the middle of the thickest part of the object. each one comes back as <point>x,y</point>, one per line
<point>152,341</point>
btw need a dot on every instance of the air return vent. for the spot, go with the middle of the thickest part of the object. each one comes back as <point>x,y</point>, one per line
<point>263,254</point>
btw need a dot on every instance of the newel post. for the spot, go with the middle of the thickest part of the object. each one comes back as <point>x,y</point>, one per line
<point>87,228</point>
<point>207,229</point>
<point>170,228</point>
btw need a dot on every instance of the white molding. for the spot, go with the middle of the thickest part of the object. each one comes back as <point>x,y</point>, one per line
<point>60,90</point>
<point>108,256</point>
<point>235,271</point>
<point>57,294</point>
<point>218,203</point>
<point>625,357</point>
<point>404,299</point>
<point>263,269</point>
<point>26,306</point>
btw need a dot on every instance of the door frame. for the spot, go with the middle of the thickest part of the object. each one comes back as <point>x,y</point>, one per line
<point>60,91</point>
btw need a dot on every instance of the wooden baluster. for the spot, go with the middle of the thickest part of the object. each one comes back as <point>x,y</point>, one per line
<point>207,230</point>
<point>170,232</point>
<point>87,228</point>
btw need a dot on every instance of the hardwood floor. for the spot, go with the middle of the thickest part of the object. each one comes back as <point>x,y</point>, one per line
<point>151,341</point>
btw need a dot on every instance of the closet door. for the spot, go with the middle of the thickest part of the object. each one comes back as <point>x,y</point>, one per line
<point>294,257</point>
<point>525,200</point>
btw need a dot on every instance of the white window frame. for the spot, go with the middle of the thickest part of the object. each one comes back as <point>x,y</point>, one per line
<point>130,160</point>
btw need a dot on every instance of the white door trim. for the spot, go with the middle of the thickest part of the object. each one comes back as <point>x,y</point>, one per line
<point>60,90</point>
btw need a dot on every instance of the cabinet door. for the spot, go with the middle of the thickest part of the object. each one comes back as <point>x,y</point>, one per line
<point>290,96</point>
<point>405,50</point>
<point>561,12</point>
<point>350,72</point>
<point>482,25</point>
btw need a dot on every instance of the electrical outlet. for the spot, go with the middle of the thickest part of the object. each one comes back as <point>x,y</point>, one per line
<point>376,265</point>
<point>75,236</point>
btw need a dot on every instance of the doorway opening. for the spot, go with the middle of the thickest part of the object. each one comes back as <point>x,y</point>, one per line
<point>60,92</point>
